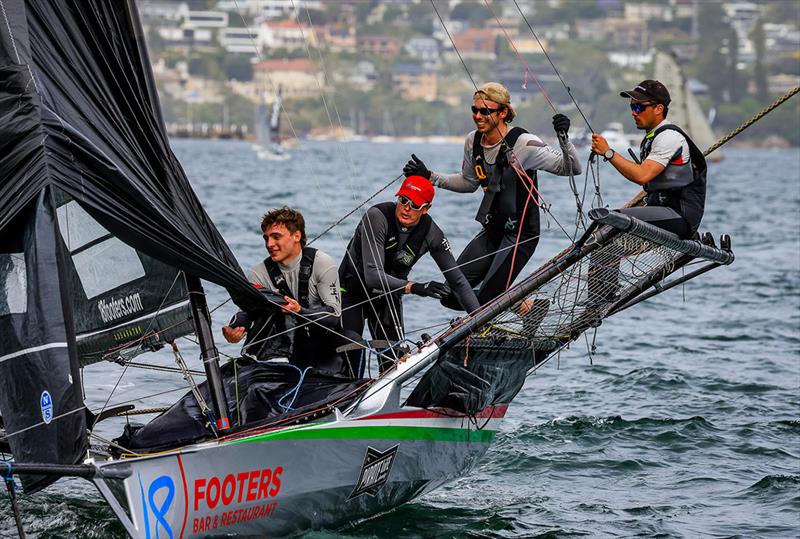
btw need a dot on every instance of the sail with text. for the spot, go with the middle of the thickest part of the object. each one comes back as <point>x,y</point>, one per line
<point>97,217</point>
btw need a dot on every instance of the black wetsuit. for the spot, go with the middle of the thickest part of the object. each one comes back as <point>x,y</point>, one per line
<point>376,265</point>
<point>509,211</point>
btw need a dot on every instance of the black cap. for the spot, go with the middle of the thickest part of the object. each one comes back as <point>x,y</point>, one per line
<point>649,90</point>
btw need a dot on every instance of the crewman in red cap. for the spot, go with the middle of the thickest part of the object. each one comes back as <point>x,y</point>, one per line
<point>389,240</point>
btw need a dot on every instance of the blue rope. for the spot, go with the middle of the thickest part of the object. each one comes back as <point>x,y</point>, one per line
<point>295,390</point>
<point>9,475</point>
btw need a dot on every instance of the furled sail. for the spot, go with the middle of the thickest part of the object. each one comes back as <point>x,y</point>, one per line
<point>80,118</point>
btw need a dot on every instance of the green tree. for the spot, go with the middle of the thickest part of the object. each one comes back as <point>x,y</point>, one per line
<point>736,87</point>
<point>710,65</point>
<point>238,66</point>
<point>760,63</point>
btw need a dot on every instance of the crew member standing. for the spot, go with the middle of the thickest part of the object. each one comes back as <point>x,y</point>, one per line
<point>503,161</point>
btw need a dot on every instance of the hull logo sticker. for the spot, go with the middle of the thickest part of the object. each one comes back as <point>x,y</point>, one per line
<point>46,404</point>
<point>374,471</point>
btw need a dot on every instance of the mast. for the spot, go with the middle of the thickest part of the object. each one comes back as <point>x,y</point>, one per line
<point>208,351</point>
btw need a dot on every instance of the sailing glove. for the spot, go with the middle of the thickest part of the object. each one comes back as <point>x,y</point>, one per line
<point>560,123</point>
<point>431,289</point>
<point>415,167</point>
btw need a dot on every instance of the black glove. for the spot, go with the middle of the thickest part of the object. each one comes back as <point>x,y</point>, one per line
<point>415,167</point>
<point>431,289</point>
<point>560,123</point>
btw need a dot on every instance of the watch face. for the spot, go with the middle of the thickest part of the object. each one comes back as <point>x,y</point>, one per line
<point>608,154</point>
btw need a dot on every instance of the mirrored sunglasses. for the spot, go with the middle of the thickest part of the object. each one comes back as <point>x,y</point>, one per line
<point>638,108</point>
<point>408,203</point>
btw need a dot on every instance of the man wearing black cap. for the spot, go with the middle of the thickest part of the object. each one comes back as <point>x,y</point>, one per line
<point>672,169</point>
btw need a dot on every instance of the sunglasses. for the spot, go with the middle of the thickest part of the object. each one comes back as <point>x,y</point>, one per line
<point>408,203</point>
<point>638,108</point>
<point>484,111</point>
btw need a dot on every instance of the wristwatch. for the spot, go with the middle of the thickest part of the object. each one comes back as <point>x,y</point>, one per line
<point>608,154</point>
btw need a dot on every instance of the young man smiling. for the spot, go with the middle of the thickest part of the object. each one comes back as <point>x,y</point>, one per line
<point>503,161</point>
<point>307,280</point>
<point>389,240</point>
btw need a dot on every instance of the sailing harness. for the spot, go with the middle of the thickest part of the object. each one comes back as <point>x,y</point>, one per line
<point>399,258</point>
<point>506,192</point>
<point>304,276</point>
<point>681,185</point>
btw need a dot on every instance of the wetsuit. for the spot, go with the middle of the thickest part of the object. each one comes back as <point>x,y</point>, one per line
<point>509,202</point>
<point>313,281</point>
<point>376,265</point>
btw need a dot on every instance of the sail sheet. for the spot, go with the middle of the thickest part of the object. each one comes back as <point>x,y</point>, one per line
<point>80,123</point>
<point>123,301</point>
<point>40,394</point>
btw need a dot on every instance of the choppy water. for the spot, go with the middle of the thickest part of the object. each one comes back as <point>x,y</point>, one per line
<point>685,423</point>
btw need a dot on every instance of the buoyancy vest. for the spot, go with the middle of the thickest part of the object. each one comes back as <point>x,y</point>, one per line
<point>680,186</point>
<point>399,258</point>
<point>504,195</point>
<point>312,345</point>
<point>303,278</point>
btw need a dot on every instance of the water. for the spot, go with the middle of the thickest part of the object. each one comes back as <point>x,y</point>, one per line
<point>685,423</point>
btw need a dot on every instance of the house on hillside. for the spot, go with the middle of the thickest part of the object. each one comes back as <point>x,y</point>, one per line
<point>380,45</point>
<point>425,50</point>
<point>299,78</point>
<point>285,34</point>
<point>413,81</point>
<point>477,43</point>
<point>338,37</point>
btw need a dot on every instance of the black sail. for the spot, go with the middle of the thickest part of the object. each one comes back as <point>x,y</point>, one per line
<point>80,122</point>
<point>40,396</point>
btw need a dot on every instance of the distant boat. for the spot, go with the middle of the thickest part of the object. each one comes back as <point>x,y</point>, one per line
<point>615,134</point>
<point>268,128</point>
<point>684,110</point>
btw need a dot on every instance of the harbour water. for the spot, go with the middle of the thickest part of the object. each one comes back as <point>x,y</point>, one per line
<point>683,422</point>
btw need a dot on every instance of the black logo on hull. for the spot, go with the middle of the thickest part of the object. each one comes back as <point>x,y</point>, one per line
<point>374,472</point>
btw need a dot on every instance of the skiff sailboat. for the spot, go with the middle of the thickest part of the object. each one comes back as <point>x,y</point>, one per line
<point>103,247</point>
<point>268,130</point>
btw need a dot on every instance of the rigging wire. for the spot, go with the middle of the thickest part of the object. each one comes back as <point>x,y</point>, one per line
<point>544,50</point>
<point>521,59</point>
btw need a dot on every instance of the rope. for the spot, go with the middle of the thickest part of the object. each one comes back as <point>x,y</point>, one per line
<point>780,101</point>
<point>522,60</point>
<point>766,110</point>
<point>143,411</point>
<point>337,223</point>
<point>569,91</point>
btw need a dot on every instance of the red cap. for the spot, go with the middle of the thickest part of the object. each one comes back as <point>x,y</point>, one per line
<point>418,189</point>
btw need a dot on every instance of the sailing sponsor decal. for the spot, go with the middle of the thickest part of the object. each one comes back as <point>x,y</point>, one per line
<point>218,494</point>
<point>374,471</point>
<point>115,309</point>
<point>157,504</point>
<point>46,404</point>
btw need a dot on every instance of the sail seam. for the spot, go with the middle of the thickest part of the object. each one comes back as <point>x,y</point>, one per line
<point>32,349</point>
